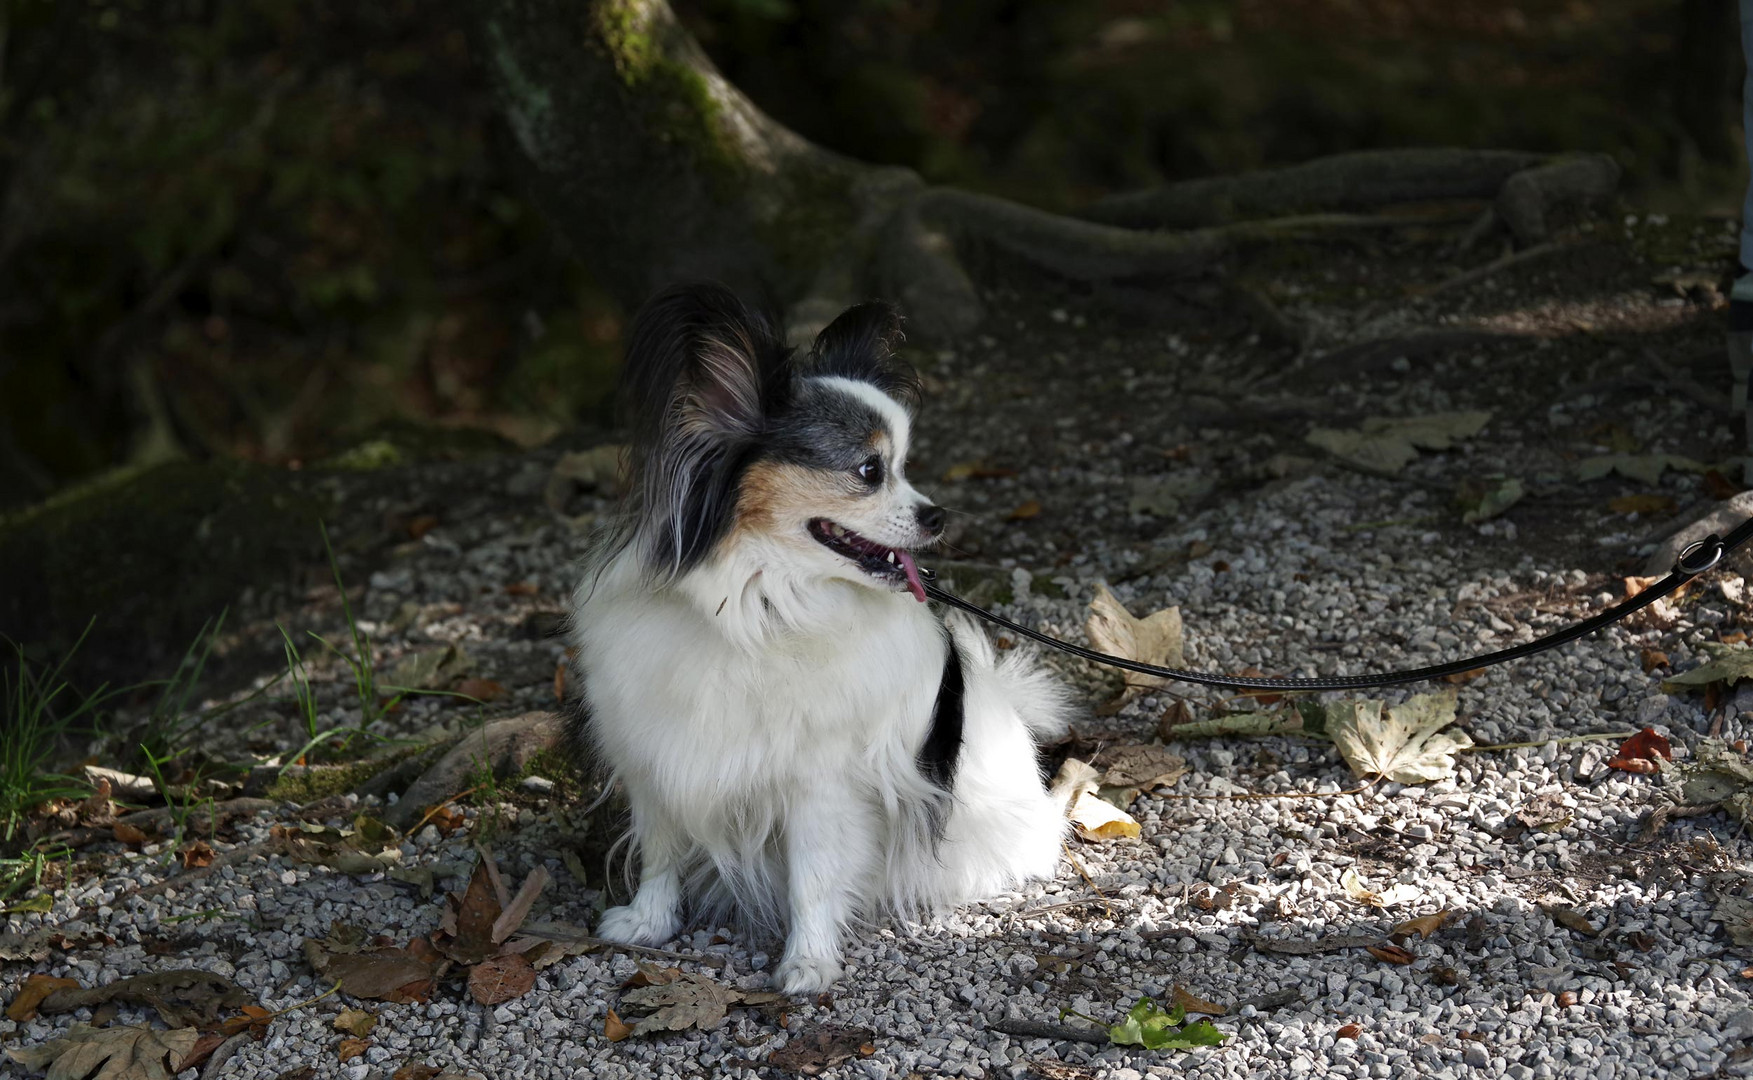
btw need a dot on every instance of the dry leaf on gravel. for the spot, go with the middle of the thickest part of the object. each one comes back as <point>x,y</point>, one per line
<point>1643,504</point>
<point>482,690</point>
<point>23,1006</point>
<point>1394,895</point>
<point>1384,445</point>
<point>548,943</point>
<point>466,927</point>
<point>1644,468</point>
<point>1154,639</point>
<point>1570,919</point>
<point>1391,954</point>
<point>356,1022</point>
<point>814,1050</point>
<point>111,1053</point>
<point>1403,743</point>
<point>1128,770</point>
<point>1716,774</point>
<point>681,999</point>
<point>1482,500</point>
<point>254,1019</point>
<point>367,847</point>
<point>33,946</point>
<point>614,1028</point>
<point>184,997</point>
<point>1639,754</point>
<point>428,669</point>
<point>1188,1003</point>
<point>498,979</point>
<point>350,1049</point>
<point>374,972</point>
<point>1094,817</point>
<point>1424,926</point>
<point>519,909</point>
<point>1728,664</point>
<point>196,854</point>
<point>1027,510</point>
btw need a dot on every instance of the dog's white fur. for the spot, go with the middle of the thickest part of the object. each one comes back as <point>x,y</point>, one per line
<point>764,711</point>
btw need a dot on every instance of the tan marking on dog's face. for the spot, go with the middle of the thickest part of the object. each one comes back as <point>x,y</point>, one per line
<point>778,499</point>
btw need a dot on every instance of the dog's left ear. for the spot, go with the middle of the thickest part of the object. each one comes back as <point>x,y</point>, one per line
<point>860,345</point>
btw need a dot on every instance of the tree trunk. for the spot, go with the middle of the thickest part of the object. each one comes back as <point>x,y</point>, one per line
<point>658,169</point>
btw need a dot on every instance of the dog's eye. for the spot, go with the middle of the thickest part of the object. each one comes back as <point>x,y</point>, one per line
<point>871,471</point>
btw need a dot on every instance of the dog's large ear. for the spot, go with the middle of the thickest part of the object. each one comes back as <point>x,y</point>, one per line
<point>860,345</point>
<point>700,359</point>
<point>703,372</point>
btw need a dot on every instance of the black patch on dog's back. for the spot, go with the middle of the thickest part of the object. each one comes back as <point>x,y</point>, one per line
<point>943,742</point>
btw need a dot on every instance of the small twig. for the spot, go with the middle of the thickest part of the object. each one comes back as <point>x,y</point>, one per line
<point>1077,864</point>
<point>432,813</point>
<point>1032,912</point>
<point>1479,273</point>
<point>1037,1029</point>
<point>1598,736</point>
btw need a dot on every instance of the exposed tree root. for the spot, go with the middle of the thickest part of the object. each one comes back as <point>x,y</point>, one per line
<point>1358,181</point>
<point>503,747</point>
<point>658,168</point>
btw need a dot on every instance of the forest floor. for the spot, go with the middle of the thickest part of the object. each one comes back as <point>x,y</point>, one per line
<point>1591,921</point>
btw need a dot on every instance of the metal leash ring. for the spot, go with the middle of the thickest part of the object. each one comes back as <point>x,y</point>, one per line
<point>1712,542</point>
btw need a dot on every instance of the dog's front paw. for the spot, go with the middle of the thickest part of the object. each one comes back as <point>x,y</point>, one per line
<point>807,974</point>
<point>629,925</point>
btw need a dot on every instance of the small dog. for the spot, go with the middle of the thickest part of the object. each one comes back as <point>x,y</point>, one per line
<point>802,741</point>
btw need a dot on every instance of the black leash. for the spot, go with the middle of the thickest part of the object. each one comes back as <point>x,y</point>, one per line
<point>1697,558</point>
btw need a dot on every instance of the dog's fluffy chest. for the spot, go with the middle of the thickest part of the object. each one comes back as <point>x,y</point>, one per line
<point>695,711</point>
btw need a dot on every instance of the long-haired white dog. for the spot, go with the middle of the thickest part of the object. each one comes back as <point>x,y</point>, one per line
<point>802,740</point>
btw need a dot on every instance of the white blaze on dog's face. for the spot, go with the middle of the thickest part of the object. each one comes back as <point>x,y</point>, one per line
<point>830,490</point>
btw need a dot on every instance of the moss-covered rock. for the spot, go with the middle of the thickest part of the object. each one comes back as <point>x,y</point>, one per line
<point>146,557</point>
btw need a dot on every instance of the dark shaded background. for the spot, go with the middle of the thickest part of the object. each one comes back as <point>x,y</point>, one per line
<point>268,229</point>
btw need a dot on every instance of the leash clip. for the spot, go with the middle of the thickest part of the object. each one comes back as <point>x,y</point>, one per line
<point>926,573</point>
<point>1712,544</point>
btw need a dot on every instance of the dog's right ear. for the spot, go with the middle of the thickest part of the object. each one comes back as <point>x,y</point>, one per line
<point>701,360</point>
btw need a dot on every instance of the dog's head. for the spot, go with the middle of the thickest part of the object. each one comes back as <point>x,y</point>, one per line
<point>795,463</point>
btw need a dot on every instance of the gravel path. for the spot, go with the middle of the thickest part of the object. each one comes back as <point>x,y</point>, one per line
<point>1280,560</point>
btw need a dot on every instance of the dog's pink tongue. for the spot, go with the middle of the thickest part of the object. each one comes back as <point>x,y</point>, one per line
<point>914,585</point>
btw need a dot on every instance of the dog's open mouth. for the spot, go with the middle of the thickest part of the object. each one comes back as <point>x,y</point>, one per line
<point>893,564</point>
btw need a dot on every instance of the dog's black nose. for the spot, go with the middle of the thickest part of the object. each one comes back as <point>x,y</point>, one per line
<point>931,519</point>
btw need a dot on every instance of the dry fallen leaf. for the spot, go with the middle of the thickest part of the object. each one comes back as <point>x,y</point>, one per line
<point>128,834</point>
<point>1348,1031</point>
<point>1570,919</point>
<point>1179,996</point>
<point>111,1053</point>
<point>24,1004</point>
<point>481,689</point>
<point>1643,504</point>
<point>519,909</point>
<point>1384,445</point>
<point>356,1022</point>
<point>614,1028</point>
<point>466,927</point>
<point>1030,509</point>
<point>1128,770</point>
<point>1391,953</point>
<point>1639,753</point>
<point>1728,665</point>
<point>183,997</point>
<point>1093,817</point>
<point>196,854</point>
<point>1403,743</point>
<point>813,1051</point>
<point>1653,659</point>
<point>351,1048</point>
<point>498,979</point>
<point>683,999</point>
<point>376,972</point>
<point>1395,894</point>
<point>1155,639</point>
<point>1424,926</point>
